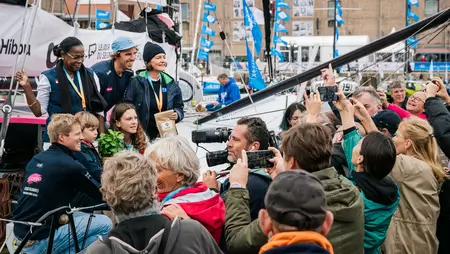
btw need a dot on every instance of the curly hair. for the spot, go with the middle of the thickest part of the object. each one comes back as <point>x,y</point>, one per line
<point>138,139</point>
<point>129,184</point>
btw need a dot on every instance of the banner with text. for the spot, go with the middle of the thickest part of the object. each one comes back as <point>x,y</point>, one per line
<point>48,31</point>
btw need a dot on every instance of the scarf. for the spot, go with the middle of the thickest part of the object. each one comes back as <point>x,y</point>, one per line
<point>94,101</point>
<point>289,238</point>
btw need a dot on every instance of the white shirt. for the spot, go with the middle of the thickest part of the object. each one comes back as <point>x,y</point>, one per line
<point>44,88</point>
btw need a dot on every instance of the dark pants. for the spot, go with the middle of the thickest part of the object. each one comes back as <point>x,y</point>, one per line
<point>211,107</point>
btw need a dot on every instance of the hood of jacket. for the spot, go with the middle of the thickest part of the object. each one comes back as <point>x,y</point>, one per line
<point>166,78</point>
<point>201,204</point>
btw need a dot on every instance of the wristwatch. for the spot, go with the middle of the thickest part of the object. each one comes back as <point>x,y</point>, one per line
<point>236,186</point>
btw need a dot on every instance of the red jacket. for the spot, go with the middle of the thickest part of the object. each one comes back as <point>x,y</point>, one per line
<point>203,205</point>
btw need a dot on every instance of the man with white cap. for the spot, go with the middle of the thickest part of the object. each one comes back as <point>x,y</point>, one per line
<point>115,74</point>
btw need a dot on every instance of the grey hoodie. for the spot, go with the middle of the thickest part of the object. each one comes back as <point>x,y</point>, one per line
<point>144,235</point>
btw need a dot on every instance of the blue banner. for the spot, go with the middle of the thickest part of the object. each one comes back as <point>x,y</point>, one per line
<point>209,7</point>
<point>249,21</point>
<point>101,25</point>
<point>412,15</point>
<point>255,79</point>
<point>101,14</point>
<point>207,31</point>
<point>277,39</point>
<point>425,66</point>
<point>204,43</point>
<point>209,18</point>
<point>281,15</point>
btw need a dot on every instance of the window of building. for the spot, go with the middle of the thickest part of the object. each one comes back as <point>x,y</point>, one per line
<point>431,7</point>
<point>184,11</point>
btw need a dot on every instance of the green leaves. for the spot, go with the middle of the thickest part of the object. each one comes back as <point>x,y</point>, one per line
<point>110,143</point>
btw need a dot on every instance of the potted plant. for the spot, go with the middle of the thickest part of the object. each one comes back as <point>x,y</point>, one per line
<point>110,143</point>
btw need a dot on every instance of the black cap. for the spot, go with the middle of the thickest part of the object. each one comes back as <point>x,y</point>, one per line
<point>151,50</point>
<point>387,119</point>
<point>296,198</point>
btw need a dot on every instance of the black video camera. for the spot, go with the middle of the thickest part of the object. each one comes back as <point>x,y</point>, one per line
<point>256,159</point>
<point>217,135</point>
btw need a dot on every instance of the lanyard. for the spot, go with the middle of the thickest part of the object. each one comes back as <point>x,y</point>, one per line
<point>171,194</point>
<point>159,101</point>
<point>79,92</point>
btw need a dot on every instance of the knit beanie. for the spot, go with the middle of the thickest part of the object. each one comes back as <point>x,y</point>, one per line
<point>151,50</point>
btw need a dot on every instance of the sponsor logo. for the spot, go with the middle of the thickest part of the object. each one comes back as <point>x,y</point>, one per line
<point>34,178</point>
<point>10,47</point>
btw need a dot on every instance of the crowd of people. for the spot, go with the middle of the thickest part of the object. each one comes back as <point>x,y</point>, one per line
<point>369,176</point>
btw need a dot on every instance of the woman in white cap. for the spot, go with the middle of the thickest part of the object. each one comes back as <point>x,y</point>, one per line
<point>154,91</point>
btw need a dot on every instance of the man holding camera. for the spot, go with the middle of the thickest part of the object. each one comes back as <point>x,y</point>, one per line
<point>250,134</point>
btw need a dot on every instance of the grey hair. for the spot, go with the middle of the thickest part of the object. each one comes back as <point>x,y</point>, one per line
<point>369,90</point>
<point>175,153</point>
<point>222,76</point>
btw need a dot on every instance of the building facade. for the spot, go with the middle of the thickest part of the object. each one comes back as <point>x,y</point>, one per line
<point>374,19</point>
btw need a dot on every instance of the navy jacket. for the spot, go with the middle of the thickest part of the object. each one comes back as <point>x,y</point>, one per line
<point>138,94</point>
<point>90,159</point>
<point>112,87</point>
<point>52,180</point>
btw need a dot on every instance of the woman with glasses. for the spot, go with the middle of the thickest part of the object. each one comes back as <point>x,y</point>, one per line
<point>414,107</point>
<point>69,87</point>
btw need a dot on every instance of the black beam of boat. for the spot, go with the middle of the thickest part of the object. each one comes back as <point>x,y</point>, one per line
<point>370,48</point>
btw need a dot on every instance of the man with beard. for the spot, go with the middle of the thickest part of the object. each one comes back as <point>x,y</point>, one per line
<point>115,74</point>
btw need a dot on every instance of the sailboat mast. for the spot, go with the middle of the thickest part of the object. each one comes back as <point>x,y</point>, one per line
<point>197,27</point>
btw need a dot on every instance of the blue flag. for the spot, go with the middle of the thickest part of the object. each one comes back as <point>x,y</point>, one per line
<point>281,4</point>
<point>207,31</point>
<point>412,41</point>
<point>412,15</point>
<point>202,54</point>
<point>249,21</point>
<point>413,3</point>
<point>276,53</point>
<point>204,43</point>
<point>339,18</point>
<point>277,39</point>
<point>279,28</point>
<point>209,18</point>
<point>209,7</point>
<point>281,15</point>
<point>255,79</point>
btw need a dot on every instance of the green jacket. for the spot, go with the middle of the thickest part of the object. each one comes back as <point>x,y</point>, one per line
<point>343,200</point>
<point>377,217</point>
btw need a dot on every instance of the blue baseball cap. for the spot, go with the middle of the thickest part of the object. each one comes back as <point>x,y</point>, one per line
<point>122,43</point>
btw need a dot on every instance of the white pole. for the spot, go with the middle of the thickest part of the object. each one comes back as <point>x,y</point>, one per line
<point>197,27</point>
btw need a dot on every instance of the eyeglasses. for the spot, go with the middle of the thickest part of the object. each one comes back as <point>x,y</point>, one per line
<point>77,58</point>
<point>416,99</point>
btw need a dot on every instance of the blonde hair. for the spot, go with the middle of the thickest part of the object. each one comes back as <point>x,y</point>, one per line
<point>129,184</point>
<point>87,120</point>
<point>424,145</point>
<point>60,124</point>
<point>176,154</point>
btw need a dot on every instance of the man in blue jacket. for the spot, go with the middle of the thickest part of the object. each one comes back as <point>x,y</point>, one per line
<point>228,93</point>
<point>53,179</point>
<point>115,74</point>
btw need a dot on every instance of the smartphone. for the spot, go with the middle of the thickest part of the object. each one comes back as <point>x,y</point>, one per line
<point>328,93</point>
<point>260,159</point>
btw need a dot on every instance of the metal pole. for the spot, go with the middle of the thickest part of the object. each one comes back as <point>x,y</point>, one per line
<point>90,18</point>
<point>208,59</point>
<point>335,27</point>
<point>406,24</point>
<point>197,27</point>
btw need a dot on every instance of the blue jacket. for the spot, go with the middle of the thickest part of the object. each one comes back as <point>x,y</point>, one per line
<point>138,94</point>
<point>377,217</point>
<point>112,87</point>
<point>90,159</point>
<point>229,93</point>
<point>53,178</point>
